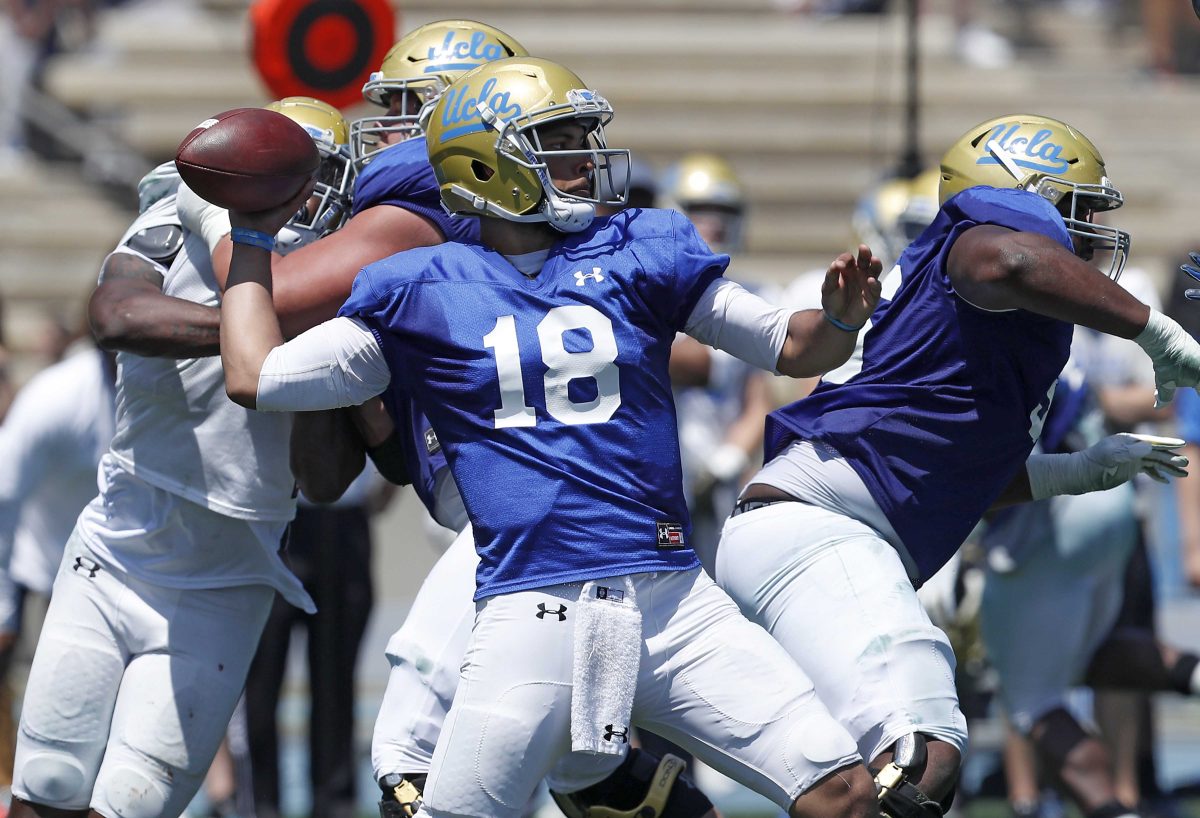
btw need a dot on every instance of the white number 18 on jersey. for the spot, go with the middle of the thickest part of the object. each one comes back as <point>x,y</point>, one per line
<point>563,367</point>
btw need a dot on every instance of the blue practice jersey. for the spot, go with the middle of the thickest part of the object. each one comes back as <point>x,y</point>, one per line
<point>401,176</point>
<point>550,395</point>
<point>950,398</point>
<point>423,454</point>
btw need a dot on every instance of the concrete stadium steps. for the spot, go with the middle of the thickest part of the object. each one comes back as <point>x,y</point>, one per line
<point>808,111</point>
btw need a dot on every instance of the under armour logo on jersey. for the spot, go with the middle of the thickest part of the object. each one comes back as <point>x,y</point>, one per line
<point>84,564</point>
<point>432,446</point>
<point>612,734</point>
<point>561,613</point>
<point>595,275</point>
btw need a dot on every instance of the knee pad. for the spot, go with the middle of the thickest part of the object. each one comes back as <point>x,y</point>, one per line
<point>1055,735</point>
<point>899,797</point>
<point>53,779</point>
<point>131,793</point>
<point>642,787</point>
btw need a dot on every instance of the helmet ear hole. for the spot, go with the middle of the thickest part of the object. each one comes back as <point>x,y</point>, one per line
<point>482,172</point>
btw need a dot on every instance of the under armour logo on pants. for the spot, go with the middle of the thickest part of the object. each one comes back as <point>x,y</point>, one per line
<point>561,613</point>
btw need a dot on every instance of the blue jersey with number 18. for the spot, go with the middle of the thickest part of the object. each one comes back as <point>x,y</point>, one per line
<point>950,397</point>
<point>550,395</point>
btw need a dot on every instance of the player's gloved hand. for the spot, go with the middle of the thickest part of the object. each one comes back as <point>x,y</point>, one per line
<point>156,185</point>
<point>203,218</point>
<point>1175,354</point>
<point>723,464</point>
<point>1108,464</point>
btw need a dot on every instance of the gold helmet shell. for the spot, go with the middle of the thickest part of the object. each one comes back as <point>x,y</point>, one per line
<point>705,188</point>
<point>894,212</point>
<point>1047,157</point>
<point>335,177</point>
<point>415,72</point>
<point>486,152</point>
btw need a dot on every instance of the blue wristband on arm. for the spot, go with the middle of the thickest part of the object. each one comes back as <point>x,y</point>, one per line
<point>255,238</point>
<point>842,325</point>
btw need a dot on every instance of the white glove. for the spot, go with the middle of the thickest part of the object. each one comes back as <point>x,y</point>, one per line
<point>203,218</point>
<point>157,184</point>
<point>1108,464</point>
<point>725,463</point>
<point>1175,354</point>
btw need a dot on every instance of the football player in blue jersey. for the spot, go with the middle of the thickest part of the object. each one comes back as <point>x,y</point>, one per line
<point>540,355</point>
<point>397,205</point>
<point>875,479</point>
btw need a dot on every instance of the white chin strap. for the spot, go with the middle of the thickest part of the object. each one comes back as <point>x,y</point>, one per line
<point>567,216</point>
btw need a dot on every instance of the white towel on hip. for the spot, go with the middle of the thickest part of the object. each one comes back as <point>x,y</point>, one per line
<point>608,650</point>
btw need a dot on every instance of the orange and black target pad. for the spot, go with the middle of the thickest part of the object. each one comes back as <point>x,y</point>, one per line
<point>320,48</point>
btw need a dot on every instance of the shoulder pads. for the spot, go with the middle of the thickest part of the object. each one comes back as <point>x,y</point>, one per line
<point>159,244</point>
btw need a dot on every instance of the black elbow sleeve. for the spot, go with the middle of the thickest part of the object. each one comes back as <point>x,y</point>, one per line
<point>390,460</point>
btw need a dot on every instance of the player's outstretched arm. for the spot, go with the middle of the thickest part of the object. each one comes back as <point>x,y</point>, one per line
<point>802,344</point>
<point>337,363</point>
<point>1115,460</point>
<point>821,340</point>
<point>326,453</point>
<point>312,282</point>
<point>999,269</point>
<point>129,313</point>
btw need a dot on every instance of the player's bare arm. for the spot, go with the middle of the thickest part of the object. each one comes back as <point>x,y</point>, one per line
<point>1001,269</point>
<point>129,313</point>
<point>821,340</point>
<point>326,453</point>
<point>312,282</point>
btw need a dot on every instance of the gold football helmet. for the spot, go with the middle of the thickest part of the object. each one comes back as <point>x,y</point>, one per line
<point>415,72</point>
<point>893,213</point>
<point>1049,158</point>
<point>335,177</point>
<point>704,188</point>
<point>486,152</point>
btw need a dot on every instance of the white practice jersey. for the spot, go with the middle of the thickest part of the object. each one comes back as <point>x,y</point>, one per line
<point>176,427</point>
<point>50,443</point>
<point>196,491</point>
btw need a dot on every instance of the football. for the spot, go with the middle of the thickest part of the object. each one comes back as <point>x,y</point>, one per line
<point>247,159</point>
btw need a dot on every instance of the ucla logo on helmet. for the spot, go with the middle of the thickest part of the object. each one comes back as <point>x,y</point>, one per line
<point>1036,153</point>
<point>460,112</point>
<point>462,55</point>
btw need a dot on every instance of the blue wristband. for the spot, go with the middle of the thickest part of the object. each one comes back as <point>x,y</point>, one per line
<point>255,238</point>
<point>842,325</point>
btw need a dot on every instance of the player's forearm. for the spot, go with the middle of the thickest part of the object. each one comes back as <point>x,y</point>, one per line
<point>155,325</point>
<point>249,327</point>
<point>1017,491</point>
<point>814,345</point>
<point>326,454</point>
<point>1012,270</point>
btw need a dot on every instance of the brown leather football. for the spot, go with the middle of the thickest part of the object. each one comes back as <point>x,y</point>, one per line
<point>247,159</point>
